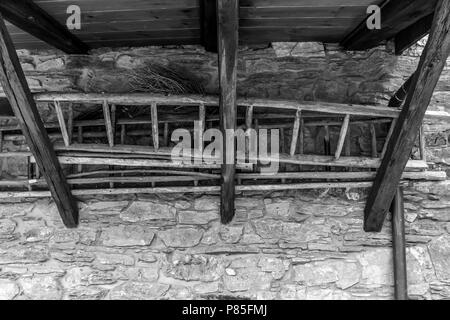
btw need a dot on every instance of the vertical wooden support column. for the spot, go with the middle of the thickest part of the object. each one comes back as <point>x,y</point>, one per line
<point>16,89</point>
<point>227,26</point>
<point>398,245</point>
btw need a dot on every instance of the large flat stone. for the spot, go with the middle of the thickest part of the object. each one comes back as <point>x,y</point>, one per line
<point>146,211</point>
<point>138,291</point>
<point>440,255</point>
<point>181,237</point>
<point>126,235</point>
<point>41,288</point>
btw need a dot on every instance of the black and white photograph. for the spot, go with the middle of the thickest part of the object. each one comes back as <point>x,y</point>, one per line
<point>224,156</point>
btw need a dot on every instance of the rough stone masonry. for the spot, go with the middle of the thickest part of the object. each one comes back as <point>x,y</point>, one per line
<point>283,245</point>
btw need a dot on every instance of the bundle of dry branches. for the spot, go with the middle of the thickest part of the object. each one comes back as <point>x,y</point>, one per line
<point>158,78</point>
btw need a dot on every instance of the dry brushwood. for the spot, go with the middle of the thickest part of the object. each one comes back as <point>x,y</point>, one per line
<point>157,78</point>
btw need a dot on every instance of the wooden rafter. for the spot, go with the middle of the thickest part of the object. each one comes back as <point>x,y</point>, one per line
<point>409,36</point>
<point>28,16</point>
<point>407,128</point>
<point>395,16</point>
<point>228,22</point>
<point>16,89</point>
<point>208,24</point>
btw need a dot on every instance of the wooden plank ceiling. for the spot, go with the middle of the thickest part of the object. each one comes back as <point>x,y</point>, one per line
<point>155,22</point>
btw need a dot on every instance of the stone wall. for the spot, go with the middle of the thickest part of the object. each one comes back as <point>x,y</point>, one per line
<point>297,245</point>
<point>291,245</point>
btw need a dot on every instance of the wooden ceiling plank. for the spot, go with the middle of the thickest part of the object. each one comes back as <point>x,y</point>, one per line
<point>302,12</point>
<point>410,120</point>
<point>16,89</point>
<point>228,24</point>
<point>31,18</point>
<point>58,6</point>
<point>306,3</point>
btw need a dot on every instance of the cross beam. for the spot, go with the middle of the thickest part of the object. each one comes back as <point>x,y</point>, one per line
<point>28,16</point>
<point>407,128</point>
<point>16,89</point>
<point>227,24</point>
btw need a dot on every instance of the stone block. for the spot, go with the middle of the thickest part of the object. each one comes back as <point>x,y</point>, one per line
<point>181,237</point>
<point>126,235</point>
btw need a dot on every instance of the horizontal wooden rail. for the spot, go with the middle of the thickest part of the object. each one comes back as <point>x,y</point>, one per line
<point>125,155</point>
<point>189,189</point>
<point>196,100</point>
<point>180,176</point>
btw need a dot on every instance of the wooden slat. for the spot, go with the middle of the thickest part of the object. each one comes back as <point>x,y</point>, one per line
<point>402,141</point>
<point>108,123</point>
<point>373,139</point>
<point>62,123</point>
<point>295,131</point>
<point>342,136</point>
<point>70,123</point>
<point>16,88</point>
<point>155,131</point>
<point>228,22</point>
<point>201,128</point>
<point>80,140</point>
<point>28,16</point>
<point>388,137</point>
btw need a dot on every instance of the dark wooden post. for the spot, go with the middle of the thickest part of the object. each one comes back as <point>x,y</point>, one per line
<point>410,120</point>
<point>398,245</point>
<point>16,89</point>
<point>227,25</point>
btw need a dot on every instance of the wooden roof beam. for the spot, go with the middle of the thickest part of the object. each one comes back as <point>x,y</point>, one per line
<point>208,24</point>
<point>410,120</point>
<point>16,89</point>
<point>28,16</point>
<point>395,16</point>
<point>409,36</point>
<point>227,25</point>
